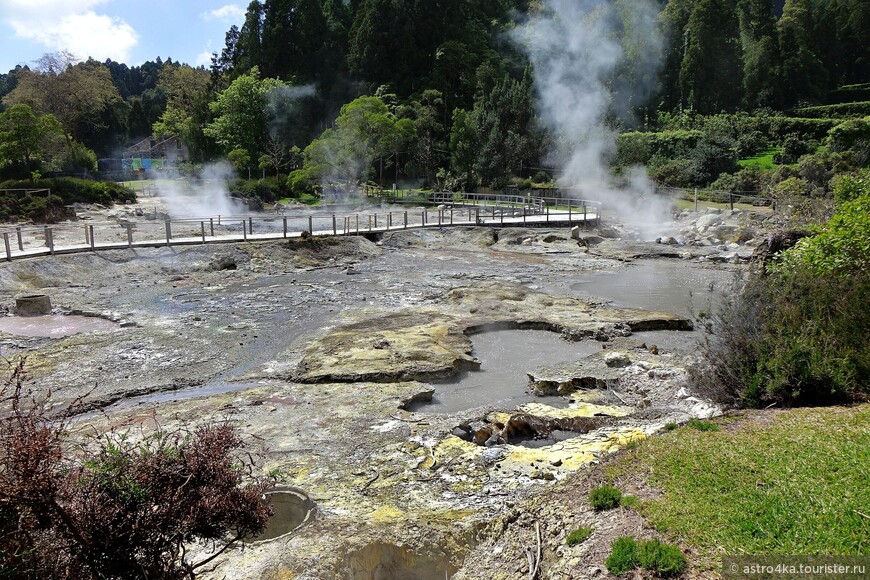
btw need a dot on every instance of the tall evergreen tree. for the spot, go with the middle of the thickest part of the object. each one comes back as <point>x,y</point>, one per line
<point>713,59</point>
<point>760,53</point>
<point>803,75</point>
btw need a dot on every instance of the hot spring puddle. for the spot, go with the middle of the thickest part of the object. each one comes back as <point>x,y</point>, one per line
<point>54,326</point>
<point>506,357</point>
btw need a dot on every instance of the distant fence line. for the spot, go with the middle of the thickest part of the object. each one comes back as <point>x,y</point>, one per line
<point>30,241</point>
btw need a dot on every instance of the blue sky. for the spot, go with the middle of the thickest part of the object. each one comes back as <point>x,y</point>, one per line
<point>128,31</point>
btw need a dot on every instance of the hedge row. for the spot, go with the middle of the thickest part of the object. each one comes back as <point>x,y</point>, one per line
<point>839,111</point>
<point>638,148</point>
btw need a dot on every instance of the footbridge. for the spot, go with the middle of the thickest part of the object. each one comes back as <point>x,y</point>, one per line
<point>392,212</point>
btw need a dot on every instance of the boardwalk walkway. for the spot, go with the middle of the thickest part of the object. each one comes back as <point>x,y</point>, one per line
<point>68,238</point>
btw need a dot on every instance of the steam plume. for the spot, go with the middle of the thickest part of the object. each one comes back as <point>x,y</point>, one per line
<point>594,58</point>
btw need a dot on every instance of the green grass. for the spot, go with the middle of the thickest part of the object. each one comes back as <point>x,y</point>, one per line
<point>762,161</point>
<point>579,536</point>
<point>702,425</point>
<point>792,482</point>
<point>623,556</point>
<point>605,497</point>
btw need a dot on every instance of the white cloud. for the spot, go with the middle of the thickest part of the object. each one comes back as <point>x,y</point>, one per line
<point>204,58</point>
<point>231,12</point>
<point>71,25</point>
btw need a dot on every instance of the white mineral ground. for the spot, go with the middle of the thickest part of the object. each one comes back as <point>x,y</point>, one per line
<point>327,350</point>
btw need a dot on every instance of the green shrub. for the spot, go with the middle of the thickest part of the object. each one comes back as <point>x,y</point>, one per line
<point>623,556</point>
<point>662,559</point>
<point>637,148</point>
<point>848,134</point>
<point>670,426</point>
<point>672,172</point>
<point>605,497</point>
<point>702,425</point>
<point>302,182</point>
<point>841,111</point>
<point>798,336</point>
<point>579,536</point>
<point>848,186</point>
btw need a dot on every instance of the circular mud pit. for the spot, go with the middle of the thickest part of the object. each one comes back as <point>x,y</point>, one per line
<point>292,508</point>
<point>389,562</point>
<point>56,326</point>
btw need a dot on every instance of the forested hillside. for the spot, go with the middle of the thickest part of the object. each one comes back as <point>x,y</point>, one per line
<point>736,92</point>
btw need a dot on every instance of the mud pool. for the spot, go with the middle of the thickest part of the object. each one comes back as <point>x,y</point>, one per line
<point>506,357</point>
<point>54,326</point>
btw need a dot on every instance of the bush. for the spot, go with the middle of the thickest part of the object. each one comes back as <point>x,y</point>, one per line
<point>579,536</point>
<point>713,157</point>
<point>798,336</point>
<point>623,556</point>
<point>848,134</point>
<point>116,508</point>
<point>843,110</point>
<point>302,183</point>
<point>662,559</point>
<point>605,497</point>
<point>793,146</point>
<point>672,172</point>
<point>848,187</point>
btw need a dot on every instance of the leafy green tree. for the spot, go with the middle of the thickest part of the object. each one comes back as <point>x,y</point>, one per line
<point>188,91</point>
<point>77,94</point>
<point>24,139</point>
<point>365,131</point>
<point>240,121</point>
<point>713,60</point>
<point>463,148</point>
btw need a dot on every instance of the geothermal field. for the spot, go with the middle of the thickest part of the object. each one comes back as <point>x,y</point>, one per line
<point>430,400</point>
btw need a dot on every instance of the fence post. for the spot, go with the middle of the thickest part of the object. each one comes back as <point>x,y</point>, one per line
<point>50,233</point>
<point>376,221</point>
<point>285,226</point>
<point>584,216</point>
<point>731,200</point>
<point>202,229</point>
<point>45,235</point>
<point>406,220</point>
<point>87,240</point>
<point>310,225</point>
<point>129,234</point>
<point>211,226</point>
<point>389,220</point>
<point>250,225</point>
<point>476,215</point>
<point>439,219</point>
<point>357,224</point>
<point>548,214</point>
<point>451,215</point>
<point>20,242</point>
<point>168,233</point>
<point>696,199</point>
<point>244,230</point>
<point>91,231</point>
<point>8,249</point>
<point>334,229</point>
<point>370,222</point>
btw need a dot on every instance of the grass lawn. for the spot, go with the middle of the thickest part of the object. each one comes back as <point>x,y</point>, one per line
<point>772,483</point>
<point>762,161</point>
